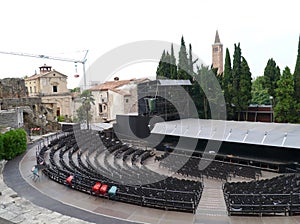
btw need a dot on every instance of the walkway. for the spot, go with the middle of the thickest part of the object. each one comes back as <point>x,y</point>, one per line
<point>212,202</point>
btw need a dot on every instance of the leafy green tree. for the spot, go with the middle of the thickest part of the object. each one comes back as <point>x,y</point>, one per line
<point>81,115</point>
<point>297,75</point>
<point>259,94</point>
<point>272,75</point>
<point>87,100</point>
<point>75,90</point>
<point>227,85</point>
<point>183,65</point>
<point>285,108</point>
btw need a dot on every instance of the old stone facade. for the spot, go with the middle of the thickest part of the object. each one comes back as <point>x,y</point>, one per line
<point>12,88</point>
<point>217,54</point>
<point>51,86</point>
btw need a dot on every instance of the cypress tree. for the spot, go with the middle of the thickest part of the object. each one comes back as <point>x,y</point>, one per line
<point>190,62</point>
<point>183,67</point>
<point>245,86</point>
<point>236,76</point>
<point>173,65</point>
<point>227,85</point>
<point>167,66</point>
<point>160,67</point>
<point>297,75</point>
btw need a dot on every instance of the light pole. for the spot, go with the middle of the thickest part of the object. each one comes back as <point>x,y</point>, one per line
<point>272,110</point>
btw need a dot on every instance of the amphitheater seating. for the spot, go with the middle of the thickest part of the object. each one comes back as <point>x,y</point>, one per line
<point>79,161</point>
<point>276,195</point>
<point>214,168</point>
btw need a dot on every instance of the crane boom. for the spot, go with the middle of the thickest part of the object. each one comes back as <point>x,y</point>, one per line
<point>52,58</point>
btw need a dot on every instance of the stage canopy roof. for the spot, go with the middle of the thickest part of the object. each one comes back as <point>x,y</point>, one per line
<point>258,133</point>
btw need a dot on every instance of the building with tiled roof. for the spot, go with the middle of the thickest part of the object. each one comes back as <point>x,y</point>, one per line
<point>115,97</point>
<point>51,86</point>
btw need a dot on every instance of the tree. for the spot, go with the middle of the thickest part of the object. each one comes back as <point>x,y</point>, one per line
<point>271,77</point>
<point>81,115</point>
<point>87,100</point>
<point>190,61</point>
<point>183,65</point>
<point>227,85</point>
<point>173,69</point>
<point>12,143</point>
<point>205,91</point>
<point>236,76</point>
<point>285,108</point>
<point>259,94</point>
<point>75,90</point>
<point>160,73</point>
<point>297,75</point>
<point>241,81</point>
<point>245,86</point>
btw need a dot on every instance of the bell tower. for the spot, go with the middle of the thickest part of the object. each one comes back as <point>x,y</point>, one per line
<point>217,54</point>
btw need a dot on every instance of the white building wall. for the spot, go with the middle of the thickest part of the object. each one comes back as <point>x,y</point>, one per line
<point>115,104</point>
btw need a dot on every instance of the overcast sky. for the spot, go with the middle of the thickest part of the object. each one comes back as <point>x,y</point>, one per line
<point>264,29</point>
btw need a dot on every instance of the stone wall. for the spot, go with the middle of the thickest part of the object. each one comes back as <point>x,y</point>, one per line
<point>13,88</point>
<point>10,103</point>
<point>11,118</point>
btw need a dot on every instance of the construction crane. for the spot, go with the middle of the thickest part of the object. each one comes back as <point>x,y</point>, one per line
<point>83,61</point>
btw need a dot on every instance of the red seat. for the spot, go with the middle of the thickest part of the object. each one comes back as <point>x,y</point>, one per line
<point>96,187</point>
<point>103,189</point>
<point>69,180</point>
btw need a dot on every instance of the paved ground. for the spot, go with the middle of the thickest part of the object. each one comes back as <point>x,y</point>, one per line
<point>45,201</point>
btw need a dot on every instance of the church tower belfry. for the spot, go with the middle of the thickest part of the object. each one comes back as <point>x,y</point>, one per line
<point>217,54</point>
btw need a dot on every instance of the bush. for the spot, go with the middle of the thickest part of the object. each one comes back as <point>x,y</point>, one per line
<point>12,143</point>
<point>61,118</point>
<point>1,147</point>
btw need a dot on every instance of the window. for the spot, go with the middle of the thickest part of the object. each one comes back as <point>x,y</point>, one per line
<point>126,100</point>
<point>215,49</point>
<point>30,89</point>
<point>100,108</point>
<point>55,89</point>
<point>34,89</point>
<point>104,107</point>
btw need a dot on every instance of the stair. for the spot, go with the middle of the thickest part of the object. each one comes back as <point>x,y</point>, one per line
<point>212,202</point>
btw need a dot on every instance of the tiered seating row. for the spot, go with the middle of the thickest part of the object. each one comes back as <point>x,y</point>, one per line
<point>276,195</point>
<point>215,169</point>
<point>88,172</point>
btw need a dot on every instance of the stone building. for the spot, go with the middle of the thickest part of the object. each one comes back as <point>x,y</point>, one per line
<point>217,54</point>
<point>51,86</point>
<point>115,97</point>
